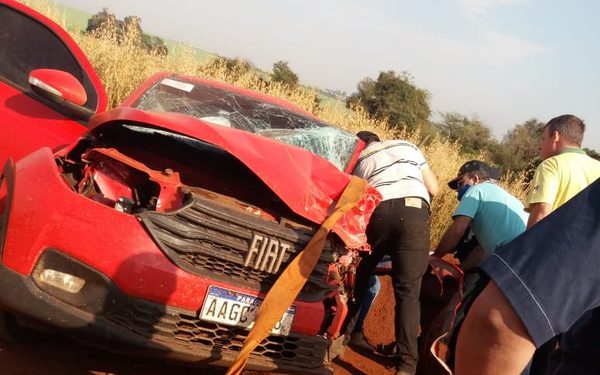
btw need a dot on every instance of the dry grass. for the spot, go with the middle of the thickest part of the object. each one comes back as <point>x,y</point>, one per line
<point>122,67</point>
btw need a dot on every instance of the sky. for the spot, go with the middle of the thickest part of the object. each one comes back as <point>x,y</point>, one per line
<point>500,61</point>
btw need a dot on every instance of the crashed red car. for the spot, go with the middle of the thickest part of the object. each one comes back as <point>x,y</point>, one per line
<point>161,226</point>
<point>157,227</point>
<point>162,230</point>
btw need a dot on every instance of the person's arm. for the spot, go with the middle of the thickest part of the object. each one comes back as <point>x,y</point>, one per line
<point>430,182</point>
<point>493,339</point>
<point>452,235</point>
<point>543,191</point>
<point>538,211</point>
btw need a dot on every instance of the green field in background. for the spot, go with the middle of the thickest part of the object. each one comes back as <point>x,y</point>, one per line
<point>76,20</point>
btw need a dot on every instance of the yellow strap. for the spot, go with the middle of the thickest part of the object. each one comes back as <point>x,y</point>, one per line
<point>292,279</point>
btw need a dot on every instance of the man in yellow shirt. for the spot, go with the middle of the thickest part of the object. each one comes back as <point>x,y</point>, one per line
<point>501,330</point>
<point>565,171</point>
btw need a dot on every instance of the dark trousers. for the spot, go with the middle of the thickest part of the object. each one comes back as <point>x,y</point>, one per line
<point>402,232</point>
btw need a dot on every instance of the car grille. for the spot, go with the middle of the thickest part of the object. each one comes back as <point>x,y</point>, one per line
<point>212,240</point>
<point>175,328</point>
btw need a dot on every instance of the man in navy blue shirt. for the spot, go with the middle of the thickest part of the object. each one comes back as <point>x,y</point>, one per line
<point>541,284</point>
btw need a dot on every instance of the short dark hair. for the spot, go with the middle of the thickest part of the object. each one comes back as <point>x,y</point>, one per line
<point>367,136</point>
<point>570,127</point>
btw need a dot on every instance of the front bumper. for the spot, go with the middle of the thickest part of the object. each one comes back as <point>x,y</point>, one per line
<point>114,311</point>
<point>110,320</point>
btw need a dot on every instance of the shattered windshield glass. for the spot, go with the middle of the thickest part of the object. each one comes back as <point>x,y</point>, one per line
<point>225,108</point>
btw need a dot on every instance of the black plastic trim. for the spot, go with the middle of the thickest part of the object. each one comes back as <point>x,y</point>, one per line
<point>7,178</point>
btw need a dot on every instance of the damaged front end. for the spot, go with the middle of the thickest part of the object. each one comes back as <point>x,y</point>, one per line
<point>212,215</point>
<point>164,231</point>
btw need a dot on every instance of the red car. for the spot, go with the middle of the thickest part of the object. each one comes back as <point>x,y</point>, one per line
<point>157,227</point>
<point>30,118</point>
<point>161,225</point>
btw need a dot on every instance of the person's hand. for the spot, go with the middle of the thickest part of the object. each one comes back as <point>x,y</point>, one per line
<point>432,254</point>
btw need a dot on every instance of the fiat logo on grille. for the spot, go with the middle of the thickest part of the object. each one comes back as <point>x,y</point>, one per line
<point>266,253</point>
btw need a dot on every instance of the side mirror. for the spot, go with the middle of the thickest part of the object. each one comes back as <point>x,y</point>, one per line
<point>57,86</point>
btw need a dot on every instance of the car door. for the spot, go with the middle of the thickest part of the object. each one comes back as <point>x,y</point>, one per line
<point>29,117</point>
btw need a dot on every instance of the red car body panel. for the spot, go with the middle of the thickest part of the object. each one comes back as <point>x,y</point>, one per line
<point>28,124</point>
<point>307,183</point>
<point>141,271</point>
<point>71,89</point>
<point>66,39</point>
<point>45,214</point>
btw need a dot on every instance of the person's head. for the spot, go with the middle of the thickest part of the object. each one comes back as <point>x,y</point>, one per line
<point>472,173</point>
<point>561,132</point>
<point>367,136</point>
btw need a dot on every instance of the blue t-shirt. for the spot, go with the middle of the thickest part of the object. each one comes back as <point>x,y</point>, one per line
<point>496,216</point>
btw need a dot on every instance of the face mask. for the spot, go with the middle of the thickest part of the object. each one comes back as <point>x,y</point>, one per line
<point>463,189</point>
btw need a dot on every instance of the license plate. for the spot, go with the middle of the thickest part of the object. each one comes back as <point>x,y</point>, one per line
<point>239,309</point>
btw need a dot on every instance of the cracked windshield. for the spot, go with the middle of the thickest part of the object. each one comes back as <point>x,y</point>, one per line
<point>226,108</point>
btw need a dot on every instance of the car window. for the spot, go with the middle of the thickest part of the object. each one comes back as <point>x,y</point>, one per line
<point>231,109</point>
<point>26,44</point>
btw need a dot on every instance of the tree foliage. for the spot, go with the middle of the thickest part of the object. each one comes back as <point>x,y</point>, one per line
<point>592,153</point>
<point>130,27</point>
<point>393,97</point>
<point>474,136</point>
<point>519,149</point>
<point>524,139</point>
<point>282,73</point>
<point>232,70</point>
<point>234,66</point>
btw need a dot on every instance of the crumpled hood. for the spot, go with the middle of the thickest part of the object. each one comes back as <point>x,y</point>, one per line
<point>307,183</point>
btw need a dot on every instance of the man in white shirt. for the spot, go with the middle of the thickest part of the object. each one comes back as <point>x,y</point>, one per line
<point>398,227</point>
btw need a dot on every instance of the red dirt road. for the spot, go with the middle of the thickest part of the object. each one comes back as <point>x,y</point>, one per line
<point>57,356</point>
<point>53,355</point>
<point>379,329</point>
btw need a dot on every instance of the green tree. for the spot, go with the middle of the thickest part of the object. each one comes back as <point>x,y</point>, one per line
<point>519,146</point>
<point>234,65</point>
<point>100,20</point>
<point>393,97</point>
<point>592,153</point>
<point>130,26</point>
<point>282,73</point>
<point>524,139</point>
<point>473,135</point>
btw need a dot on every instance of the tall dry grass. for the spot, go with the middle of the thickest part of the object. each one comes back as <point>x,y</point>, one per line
<point>123,66</point>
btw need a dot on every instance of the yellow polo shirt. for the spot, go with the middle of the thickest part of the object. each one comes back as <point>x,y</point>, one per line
<point>559,178</point>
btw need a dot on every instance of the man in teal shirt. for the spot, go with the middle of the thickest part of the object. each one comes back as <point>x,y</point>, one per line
<point>494,215</point>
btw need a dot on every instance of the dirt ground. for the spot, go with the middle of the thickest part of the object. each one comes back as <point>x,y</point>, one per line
<point>58,356</point>
<point>53,355</point>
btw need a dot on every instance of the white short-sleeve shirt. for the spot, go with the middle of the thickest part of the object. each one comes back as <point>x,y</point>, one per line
<point>394,169</point>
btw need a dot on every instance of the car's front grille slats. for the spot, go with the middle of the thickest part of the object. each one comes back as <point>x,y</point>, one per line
<point>212,240</point>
